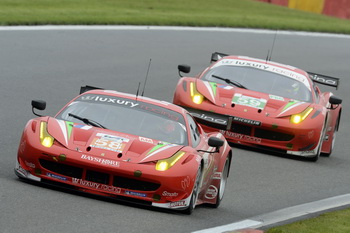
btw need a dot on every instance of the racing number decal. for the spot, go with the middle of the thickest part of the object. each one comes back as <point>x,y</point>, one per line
<point>109,142</point>
<point>249,101</point>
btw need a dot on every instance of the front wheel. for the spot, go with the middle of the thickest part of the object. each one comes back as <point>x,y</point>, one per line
<point>195,192</point>
<point>222,186</point>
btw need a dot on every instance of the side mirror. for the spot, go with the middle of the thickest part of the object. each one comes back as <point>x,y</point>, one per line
<point>38,104</point>
<point>333,100</point>
<point>184,68</point>
<point>215,142</point>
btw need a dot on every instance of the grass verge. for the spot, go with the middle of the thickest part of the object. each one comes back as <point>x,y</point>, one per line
<point>213,13</point>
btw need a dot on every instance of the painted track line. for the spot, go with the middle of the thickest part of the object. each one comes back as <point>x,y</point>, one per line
<point>168,28</point>
<point>282,215</point>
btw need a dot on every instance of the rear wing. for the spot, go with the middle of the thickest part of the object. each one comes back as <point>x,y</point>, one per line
<point>217,56</point>
<point>88,88</point>
<point>324,79</point>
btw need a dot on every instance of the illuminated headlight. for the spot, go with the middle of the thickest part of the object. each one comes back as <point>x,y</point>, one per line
<point>197,97</point>
<point>297,118</point>
<point>165,164</point>
<point>45,138</point>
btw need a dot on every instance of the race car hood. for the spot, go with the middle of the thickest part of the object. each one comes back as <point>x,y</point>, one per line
<point>234,98</point>
<point>109,144</point>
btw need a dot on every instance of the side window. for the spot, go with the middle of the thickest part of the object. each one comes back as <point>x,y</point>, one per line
<point>194,131</point>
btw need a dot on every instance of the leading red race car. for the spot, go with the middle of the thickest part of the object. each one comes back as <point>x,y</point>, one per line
<point>128,147</point>
<point>263,104</point>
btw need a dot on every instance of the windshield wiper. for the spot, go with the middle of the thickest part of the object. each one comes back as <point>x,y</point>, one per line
<point>87,121</point>
<point>229,81</point>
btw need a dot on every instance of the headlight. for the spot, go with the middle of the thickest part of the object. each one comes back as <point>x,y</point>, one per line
<point>45,138</point>
<point>197,97</point>
<point>297,118</point>
<point>165,164</point>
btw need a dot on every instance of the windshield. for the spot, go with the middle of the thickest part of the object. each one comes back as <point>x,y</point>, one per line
<point>127,116</point>
<point>259,80</point>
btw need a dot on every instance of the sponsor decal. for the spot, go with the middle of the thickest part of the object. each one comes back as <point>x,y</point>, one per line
<point>28,164</point>
<point>97,186</point>
<point>249,101</point>
<point>148,140</point>
<point>212,192</point>
<point>109,142</point>
<point>209,118</point>
<point>168,194</point>
<point>101,160</point>
<point>84,127</point>
<point>106,99</point>
<point>177,204</point>
<point>135,194</point>
<point>217,176</point>
<point>270,68</point>
<point>185,183</point>
<point>159,111</point>
<point>226,87</point>
<point>56,176</point>
<point>238,136</point>
<point>246,121</point>
<point>276,97</point>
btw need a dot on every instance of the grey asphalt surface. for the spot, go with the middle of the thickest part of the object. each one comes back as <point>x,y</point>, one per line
<point>53,64</point>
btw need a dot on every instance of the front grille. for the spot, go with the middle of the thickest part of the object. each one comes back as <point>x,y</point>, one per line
<point>133,184</point>
<point>62,169</point>
<point>272,135</point>
<point>98,177</point>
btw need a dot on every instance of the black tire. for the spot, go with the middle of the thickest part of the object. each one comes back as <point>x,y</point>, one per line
<point>222,187</point>
<point>333,139</point>
<point>195,192</point>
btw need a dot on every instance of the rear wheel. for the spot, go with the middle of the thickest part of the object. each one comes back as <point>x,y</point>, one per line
<point>195,192</point>
<point>222,186</point>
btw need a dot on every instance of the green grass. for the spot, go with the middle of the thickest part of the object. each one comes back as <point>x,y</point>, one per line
<point>199,13</point>
<point>334,222</point>
<point>213,13</point>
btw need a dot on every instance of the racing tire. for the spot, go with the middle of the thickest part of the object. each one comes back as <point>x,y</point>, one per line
<point>327,154</point>
<point>195,192</point>
<point>317,156</point>
<point>222,187</point>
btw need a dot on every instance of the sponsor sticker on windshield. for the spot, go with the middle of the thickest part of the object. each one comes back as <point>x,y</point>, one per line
<point>249,101</point>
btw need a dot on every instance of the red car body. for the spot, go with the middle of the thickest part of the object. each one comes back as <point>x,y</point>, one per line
<point>263,104</point>
<point>135,163</point>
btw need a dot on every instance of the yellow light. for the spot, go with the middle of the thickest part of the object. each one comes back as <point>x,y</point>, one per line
<point>197,97</point>
<point>45,138</point>
<point>297,118</point>
<point>165,164</point>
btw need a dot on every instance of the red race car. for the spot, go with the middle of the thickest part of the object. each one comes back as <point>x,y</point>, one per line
<point>129,147</point>
<point>263,104</point>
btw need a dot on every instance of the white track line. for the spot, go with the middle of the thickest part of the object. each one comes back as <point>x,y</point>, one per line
<point>173,28</point>
<point>283,214</point>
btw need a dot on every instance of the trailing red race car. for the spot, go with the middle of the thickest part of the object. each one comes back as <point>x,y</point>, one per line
<point>263,104</point>
<point>129,147</point>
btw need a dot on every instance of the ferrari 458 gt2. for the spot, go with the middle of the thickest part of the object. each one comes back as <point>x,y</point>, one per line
<point>129,147</point>
<point>263,104</point>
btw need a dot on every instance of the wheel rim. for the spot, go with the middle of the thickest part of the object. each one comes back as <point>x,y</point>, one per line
<point>224,179</point>
<point>196,187</point>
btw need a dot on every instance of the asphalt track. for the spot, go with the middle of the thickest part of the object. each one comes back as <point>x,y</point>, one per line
<point>51,63</point>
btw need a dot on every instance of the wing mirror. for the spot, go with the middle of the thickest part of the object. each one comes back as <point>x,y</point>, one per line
<point>184,68</point>
<point>214,142</point>
<point>38,104</point>
<point>333,100</point>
